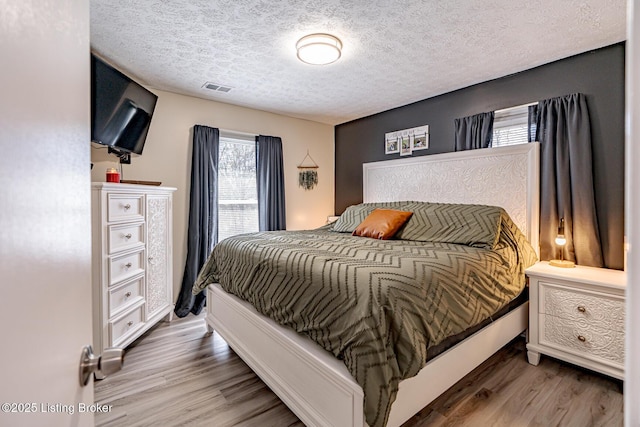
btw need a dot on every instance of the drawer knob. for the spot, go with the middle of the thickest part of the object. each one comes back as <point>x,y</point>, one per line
<point>581,338</point>
<point>582,309</point>
<point>127,236</point>
<point>127,206</point>
<point>130,322</point>
<point>127,295</point>
<point>128,265</point>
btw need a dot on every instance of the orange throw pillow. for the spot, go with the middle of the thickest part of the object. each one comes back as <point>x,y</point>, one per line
<point>382,223</point>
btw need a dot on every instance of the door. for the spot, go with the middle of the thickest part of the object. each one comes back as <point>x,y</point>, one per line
<point>632,213</point>
<point>45,239</point>
<point>159,271</point>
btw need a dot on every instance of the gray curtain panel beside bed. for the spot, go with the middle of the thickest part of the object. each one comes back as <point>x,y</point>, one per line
<point>270,183</point>
<point>563,128</point>
<point>474,131</point>
<point>203,215</point>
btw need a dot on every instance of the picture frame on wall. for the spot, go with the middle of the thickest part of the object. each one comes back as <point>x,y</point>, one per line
<point>405,145</point>
<point>420,141</point>
<point>391,145</point>
<point>407,140</point>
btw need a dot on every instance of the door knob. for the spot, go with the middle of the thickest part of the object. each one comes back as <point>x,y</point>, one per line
<point>108,363</point>
<point>111,361</point>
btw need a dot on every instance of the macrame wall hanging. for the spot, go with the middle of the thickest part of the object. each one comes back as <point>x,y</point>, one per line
<point>307,173</point>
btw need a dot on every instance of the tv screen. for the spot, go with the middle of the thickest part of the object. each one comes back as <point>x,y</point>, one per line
<point>121,109</point>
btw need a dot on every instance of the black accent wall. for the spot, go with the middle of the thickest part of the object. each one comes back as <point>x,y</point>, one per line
<point>598,74</point>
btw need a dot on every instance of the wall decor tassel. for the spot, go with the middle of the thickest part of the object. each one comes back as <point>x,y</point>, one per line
<point>307,179</point>
<point>308,173</point>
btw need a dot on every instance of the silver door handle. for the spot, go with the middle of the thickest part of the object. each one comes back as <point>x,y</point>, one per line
<point>108,363</point>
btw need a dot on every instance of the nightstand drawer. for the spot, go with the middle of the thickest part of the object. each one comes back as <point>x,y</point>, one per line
<point>587,308</point>
<point>582,339</point>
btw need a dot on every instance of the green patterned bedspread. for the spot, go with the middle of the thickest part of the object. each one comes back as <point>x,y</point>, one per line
<point>377,305</point>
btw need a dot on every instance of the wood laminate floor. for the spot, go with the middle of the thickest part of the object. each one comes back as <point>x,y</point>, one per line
<point>178,375</point>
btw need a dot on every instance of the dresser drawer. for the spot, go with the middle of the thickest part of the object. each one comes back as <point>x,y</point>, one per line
<point>127,236</point>
<point>588,308</point>
<point>124,296</point>
<point>125,207</point>
<point>126,325</point>
<point>581,339</point>
<point>125,266</point>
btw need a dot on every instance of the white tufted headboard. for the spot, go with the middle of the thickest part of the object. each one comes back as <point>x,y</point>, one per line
<point>508,177</point>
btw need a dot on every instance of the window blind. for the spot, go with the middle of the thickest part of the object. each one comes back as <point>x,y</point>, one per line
<point>237,191</point>
<point>510,126</point>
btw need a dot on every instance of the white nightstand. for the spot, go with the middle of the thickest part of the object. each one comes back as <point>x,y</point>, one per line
<point>577,315</point>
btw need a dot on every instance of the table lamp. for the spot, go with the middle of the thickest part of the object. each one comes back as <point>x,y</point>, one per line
<point>561,241</point>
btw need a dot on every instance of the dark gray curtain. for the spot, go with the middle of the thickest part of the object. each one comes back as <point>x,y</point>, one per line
<point>270,181</point>
<point>563,129</point>
<point>474,131</point>
<point>203,215</point>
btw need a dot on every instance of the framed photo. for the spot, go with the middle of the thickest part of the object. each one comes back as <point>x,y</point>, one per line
<point>405,145</point>
<point>391,145</point>
<point>406,140</point>
<point>420,141</point>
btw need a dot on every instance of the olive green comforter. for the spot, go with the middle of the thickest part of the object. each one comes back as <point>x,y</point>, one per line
<point>377,305</point>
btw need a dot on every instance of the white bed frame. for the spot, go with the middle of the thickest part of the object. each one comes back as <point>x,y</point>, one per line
<point>317,387</point>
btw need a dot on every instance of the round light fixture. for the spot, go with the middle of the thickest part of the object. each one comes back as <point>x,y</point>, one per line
<point>319,49</point>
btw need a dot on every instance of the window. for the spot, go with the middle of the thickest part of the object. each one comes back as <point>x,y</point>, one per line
<point>237,191</point>
<point>510,126</point>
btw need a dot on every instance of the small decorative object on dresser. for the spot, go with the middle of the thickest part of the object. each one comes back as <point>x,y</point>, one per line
<point>577,315</point>
<point>113,175</point>
<point>131,262</point>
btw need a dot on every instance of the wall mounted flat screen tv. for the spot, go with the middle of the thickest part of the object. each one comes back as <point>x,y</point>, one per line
<point>121,109</point>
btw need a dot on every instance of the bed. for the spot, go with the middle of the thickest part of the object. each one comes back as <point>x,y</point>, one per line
<point>317,386</point>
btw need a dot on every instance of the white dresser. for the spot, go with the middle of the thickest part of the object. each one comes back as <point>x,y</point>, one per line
<point>131,262</point>
<point>577,315</point>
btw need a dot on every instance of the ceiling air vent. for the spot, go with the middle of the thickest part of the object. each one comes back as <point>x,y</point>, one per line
<point>216,87</point>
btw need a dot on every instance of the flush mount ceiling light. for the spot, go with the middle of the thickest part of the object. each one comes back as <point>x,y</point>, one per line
<point>319,49</point>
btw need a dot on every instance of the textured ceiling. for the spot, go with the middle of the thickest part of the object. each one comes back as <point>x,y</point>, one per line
<point>395,52</point>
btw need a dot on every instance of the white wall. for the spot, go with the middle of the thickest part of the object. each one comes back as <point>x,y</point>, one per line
<point>167,158</point>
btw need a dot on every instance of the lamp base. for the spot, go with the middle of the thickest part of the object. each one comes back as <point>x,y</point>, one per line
<point>562,263</point>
